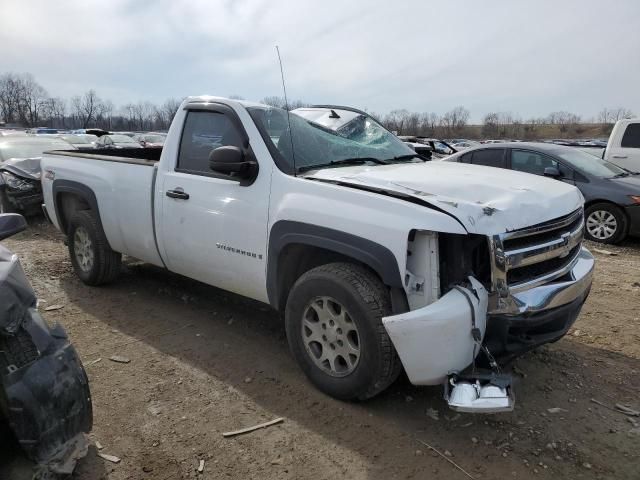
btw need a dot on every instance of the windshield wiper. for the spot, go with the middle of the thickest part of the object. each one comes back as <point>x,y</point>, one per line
<point>407,157</point>
<point>345,161</point>
<point>623,174</point>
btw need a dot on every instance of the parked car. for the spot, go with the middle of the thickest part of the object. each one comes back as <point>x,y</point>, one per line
<point>149,140</point>
<point>82,140</point>
<point>611,194</point>
<point>42,131</point>
<point>44,390</point>
<point>116,141</point>
<point>377,259</point>
<point>623,147</point>
<point>20,188</point>
<point>464,144</point>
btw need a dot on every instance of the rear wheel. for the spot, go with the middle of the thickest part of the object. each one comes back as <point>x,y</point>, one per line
<point>334,327</point>
<point>605,223</point>
<point>92,258</point>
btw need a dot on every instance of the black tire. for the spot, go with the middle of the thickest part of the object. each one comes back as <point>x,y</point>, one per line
<point>606,209</point>
<point>5,205</point>
<point>366,300</point>
<point>105,266</point>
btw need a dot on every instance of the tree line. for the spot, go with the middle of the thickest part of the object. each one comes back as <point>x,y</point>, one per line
<point>24,102</point>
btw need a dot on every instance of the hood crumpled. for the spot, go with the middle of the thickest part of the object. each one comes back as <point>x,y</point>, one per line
<point>485,200</point>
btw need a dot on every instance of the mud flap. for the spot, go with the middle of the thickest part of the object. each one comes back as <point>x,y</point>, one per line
<point>48,402</point>
<point>437,340</point>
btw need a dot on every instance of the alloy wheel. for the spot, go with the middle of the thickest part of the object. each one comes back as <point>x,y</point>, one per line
<point>83,249</point>
<point>331,337</point>
<point>602,224</point>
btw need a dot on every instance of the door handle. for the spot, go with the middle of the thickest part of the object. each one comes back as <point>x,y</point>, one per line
<point>619,156</point>
<point>177,193</point>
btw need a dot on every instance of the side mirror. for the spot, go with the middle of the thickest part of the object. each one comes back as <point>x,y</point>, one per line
<point>551,172</point>
<point>10,224</point>
<point>229,160</point>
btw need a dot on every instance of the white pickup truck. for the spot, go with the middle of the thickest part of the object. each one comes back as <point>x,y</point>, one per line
<point>378,260</point>
<point>623,147</point>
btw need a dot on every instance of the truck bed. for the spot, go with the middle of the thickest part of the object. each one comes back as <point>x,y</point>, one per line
<point>137,156</point>
<point>121,181</point>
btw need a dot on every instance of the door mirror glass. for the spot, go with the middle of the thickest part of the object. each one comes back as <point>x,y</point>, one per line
<point>10,224</point>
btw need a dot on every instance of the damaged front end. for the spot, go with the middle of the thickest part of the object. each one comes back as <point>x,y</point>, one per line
<point>44,394</point>
<point>20,184</point>
<point>479,301</point>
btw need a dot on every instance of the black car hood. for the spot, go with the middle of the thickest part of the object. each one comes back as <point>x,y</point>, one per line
<point>16,294</point>
<point>23,167</point>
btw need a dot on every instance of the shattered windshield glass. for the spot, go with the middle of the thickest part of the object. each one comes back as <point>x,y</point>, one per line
<point>319,144</point>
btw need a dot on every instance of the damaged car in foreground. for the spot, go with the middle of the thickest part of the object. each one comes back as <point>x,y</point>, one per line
<point>44,391</point>
<point>20,189</point>
<point>378,259</point>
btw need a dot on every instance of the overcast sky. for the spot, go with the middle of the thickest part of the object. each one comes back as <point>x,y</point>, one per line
<point>527,57</point>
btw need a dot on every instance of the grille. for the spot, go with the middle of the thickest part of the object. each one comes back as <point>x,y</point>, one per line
<point>526,258</point>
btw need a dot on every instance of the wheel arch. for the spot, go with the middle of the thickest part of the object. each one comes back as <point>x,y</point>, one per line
<point>70,197</point>
<point>297,247</point>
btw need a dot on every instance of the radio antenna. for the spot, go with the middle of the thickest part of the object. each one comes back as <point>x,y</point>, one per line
<point>286,106</point>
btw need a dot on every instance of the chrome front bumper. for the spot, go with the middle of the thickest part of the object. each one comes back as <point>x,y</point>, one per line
<point>561,291</point>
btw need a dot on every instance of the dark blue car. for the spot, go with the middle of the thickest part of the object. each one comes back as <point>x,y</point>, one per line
<point>612,194</point>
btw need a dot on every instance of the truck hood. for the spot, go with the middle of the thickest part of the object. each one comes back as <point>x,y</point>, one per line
<point>485,200</point>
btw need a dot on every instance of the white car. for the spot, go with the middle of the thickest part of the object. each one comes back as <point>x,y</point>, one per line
<point>378,260</point>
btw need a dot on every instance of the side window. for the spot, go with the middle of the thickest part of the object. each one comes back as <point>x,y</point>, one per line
<point>631,137</point>
<point>466,158</point>
<point>531,162</point>
<point>202,133</point>
<point>490,157</point>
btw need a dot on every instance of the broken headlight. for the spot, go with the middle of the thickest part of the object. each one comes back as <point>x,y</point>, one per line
<point>17,183</point>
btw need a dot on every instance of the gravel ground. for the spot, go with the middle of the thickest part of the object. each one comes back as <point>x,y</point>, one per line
<point>204,361</point>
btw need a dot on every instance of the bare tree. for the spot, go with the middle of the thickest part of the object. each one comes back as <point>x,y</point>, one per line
<point>32,100</point>
<point>429,122</point>
<point>454,121</point>
<point>86,108</point>
<point>10,91</point>
<point>609,116</point>
<point>565,121</point>
<point>55,110</point>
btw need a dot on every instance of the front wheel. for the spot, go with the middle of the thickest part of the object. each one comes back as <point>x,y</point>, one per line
<point>334,327</point>
<point>605,223</point>
<point>92,258</point>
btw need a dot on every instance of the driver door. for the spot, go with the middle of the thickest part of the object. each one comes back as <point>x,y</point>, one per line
<point>210,227</point>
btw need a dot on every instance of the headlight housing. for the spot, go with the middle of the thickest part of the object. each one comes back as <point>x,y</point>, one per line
<point>17,183</point>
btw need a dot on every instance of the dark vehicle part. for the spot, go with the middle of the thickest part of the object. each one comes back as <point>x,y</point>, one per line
<point>20,189</point>
<point>334,327</point>
<point>92,258</point>
<point>44,394</point>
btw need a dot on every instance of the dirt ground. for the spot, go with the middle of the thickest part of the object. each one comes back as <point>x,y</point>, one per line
<point>204,362</point>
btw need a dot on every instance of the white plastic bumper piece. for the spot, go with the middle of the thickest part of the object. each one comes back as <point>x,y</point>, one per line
<point>436,340</point>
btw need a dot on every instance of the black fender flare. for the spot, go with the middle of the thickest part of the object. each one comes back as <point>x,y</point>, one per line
<point>76,188</point>
<point>287,232</point>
